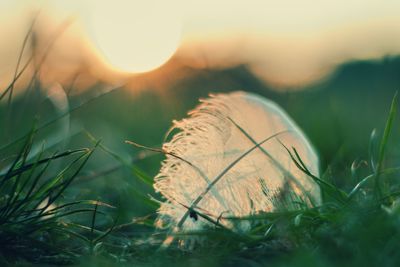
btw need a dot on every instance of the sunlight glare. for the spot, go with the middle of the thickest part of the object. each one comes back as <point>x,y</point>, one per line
<point>132,36</point>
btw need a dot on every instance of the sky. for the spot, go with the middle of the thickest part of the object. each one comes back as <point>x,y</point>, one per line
<point>285,43</point>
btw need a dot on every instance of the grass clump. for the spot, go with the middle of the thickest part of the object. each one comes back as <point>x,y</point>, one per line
<point>35,217</point>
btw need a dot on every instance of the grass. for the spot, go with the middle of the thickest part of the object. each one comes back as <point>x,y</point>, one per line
<point>39,223</point>
<point>78,199</point>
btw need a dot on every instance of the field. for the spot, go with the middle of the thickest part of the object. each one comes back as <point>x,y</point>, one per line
<point>73,192</point>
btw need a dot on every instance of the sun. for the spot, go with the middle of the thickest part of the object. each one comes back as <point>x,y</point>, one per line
<point>131,35</point>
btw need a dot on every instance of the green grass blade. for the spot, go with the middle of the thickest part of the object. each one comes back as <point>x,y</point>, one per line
<point>383,145</point>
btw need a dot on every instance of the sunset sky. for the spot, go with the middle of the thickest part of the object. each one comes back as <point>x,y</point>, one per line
<point>285,43</point>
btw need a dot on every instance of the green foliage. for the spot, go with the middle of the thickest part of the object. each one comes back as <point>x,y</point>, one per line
<point>41,223</point>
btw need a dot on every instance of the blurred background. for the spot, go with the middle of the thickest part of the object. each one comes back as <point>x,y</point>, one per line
<point>123,70</point>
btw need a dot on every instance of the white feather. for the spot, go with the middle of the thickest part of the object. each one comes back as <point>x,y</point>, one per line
<point>216,133</point>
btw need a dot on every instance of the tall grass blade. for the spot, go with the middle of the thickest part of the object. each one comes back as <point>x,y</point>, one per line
<point>383,145</point>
